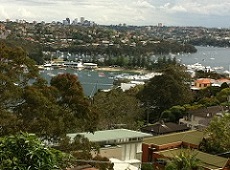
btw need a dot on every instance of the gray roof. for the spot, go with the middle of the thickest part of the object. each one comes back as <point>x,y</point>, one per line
<point>207,111</point>
<point>107,135</point>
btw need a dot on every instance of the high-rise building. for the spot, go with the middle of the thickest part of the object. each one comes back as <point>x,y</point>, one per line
<point>75,21</point>
<point>68,20</point>
<point>82,19</point>
<point>65,22</point>
<point>160,24</point>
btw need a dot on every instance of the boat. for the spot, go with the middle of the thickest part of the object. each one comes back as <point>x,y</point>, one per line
<point>218,68</point>
<point>73,64</point>
<point>196,66</point>
<point>47,66</point>
<point>101,74</point>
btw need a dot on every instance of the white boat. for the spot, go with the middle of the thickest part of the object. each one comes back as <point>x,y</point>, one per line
<point>218,68</point>
<point>196,66</point>
<point>73,64</point>
<point>47,66</point>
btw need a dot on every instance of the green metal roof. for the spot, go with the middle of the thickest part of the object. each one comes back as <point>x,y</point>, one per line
<point>207,160</point>
<point>107,135</point>
<point>192,137</point>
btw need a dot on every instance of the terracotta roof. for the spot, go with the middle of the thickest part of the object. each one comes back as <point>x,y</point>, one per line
<point>204,81</point>
<point>223,80</point>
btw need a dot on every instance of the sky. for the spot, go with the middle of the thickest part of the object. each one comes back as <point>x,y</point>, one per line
<point>206,13</point>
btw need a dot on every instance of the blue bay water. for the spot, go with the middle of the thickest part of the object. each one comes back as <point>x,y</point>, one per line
<point>208,56</point>
<point>92,81</point>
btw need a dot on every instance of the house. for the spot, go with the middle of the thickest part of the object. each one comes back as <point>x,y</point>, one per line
<point>201,117</point>
<point>161,128</point>
<point>207,161</point>
<point>155,144</point>
<point>203,82</point>
<point>119,145</point>
<point>160,149</point>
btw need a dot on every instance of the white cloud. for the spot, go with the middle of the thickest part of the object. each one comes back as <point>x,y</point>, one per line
<point>135,12</point>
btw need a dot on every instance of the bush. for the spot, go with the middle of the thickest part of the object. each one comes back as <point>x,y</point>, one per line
<point>26,151</point>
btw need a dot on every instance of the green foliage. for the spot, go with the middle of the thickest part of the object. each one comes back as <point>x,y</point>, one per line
<point>174,113</point>
<point>117,108</point>
<point>28,103</point>
<point>100,165</point>
<point>212,101</point>
<point>209,74</point>
<point>147,167</point>
<point>185,160</point>
<point>223,95</point>
<point>218,133</point>
<point>71,98</point>
<point>166,90</point>
<point>25,151</point>
<point>208,92</point>
<point>80,147</point>
<point>224,85</point>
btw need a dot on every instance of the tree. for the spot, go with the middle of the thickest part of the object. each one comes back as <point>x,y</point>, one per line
<point>117,107</point>
<point>223,95</point>
<point>26,151</point>
<point>71,98</point>
<point>16,70</point>
<point>166,90</point>
<point>174,113</point>
<point>80,147</point>
<point>218,135</point>
<point>28,103</point>
<point>107,165</point>
<point>185,160</point>
<point>51,111</point>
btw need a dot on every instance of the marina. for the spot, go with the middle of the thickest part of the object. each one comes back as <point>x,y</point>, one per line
<point>211,58</point>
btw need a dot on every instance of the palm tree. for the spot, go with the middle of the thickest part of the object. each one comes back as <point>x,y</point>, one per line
<point>185,160</point>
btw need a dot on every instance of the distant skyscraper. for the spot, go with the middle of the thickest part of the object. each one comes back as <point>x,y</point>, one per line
<point>75,21</point>
<point>65,22</point>
<point>68,20</point>
<point>160,24</point>
<point>82,19</point>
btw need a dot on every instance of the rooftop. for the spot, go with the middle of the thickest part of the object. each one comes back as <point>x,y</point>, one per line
<point>192,137</point>
<point>207,111</point>
<point>163,128</point>
<point>207,160</point>
<point>107,135</point>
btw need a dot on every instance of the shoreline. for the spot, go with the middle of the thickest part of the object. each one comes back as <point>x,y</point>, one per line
<point>120,69</point>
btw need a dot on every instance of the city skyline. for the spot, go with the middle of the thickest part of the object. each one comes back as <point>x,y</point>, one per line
<point>206,13</point>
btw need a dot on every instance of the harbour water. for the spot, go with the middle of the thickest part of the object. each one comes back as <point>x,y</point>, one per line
<point>215,57</point>
<point>93,80</point>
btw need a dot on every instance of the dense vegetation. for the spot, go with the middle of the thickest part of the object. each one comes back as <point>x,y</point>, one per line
<point>118,47</point>
<point>26,151</point>
<point>50,111</point>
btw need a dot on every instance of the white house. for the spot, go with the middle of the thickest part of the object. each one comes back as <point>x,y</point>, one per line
<point>120,145</point>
